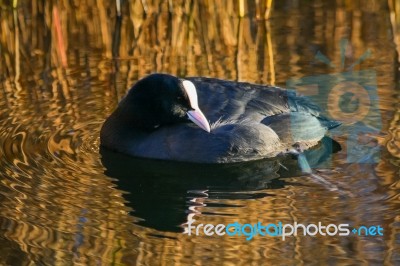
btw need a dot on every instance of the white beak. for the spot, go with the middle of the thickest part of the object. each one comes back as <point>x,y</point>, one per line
<point>196,115</point>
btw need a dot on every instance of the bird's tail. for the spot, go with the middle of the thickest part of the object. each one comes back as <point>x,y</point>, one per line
<point>329,124</point>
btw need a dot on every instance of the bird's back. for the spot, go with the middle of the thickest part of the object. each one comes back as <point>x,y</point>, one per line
<point>248,122</point>
<point>231,100</point>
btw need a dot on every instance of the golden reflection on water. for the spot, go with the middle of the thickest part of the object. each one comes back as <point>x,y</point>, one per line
<point>65,65</point>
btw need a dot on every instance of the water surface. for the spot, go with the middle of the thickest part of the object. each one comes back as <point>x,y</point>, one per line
<point>65,66</point>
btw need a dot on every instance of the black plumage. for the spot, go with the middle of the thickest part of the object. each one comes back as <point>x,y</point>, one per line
<point>247,121</point>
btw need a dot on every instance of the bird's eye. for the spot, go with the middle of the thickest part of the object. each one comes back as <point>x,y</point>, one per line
<point>179,98</point>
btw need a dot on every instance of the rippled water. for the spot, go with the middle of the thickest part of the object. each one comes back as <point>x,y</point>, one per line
<point>65,201</point>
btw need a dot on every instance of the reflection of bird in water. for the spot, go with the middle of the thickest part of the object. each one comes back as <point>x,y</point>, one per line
<point>166,195</point>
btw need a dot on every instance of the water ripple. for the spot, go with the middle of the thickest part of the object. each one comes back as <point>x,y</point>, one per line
<point>64,201</point>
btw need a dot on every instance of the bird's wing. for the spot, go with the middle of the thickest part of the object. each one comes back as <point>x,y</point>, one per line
<point>228,100</point>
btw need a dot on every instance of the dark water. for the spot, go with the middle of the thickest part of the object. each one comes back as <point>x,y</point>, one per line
<point>63,69</point>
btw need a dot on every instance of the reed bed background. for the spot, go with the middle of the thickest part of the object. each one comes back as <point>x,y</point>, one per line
<point>53,54</point>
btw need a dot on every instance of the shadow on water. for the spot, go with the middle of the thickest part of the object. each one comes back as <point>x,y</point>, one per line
<point>161,193</point>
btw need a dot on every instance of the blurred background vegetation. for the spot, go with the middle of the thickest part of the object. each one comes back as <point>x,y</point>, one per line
<point>185,37</point>
<point>121,41</point>
<point>64,64</point>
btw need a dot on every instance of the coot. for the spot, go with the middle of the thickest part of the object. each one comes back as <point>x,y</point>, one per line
<point>207,120</point>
